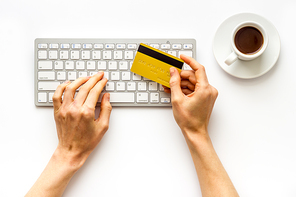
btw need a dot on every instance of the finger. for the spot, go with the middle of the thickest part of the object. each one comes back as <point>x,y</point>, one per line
<point>71,89</point>
<point>186,91</point>
<point>176,92</point>
<point>167,90</point>
<point>199,69</point>
<point>190,75</point>
<point>106,108</point>
<point>57,96</point>
<point>188,84</point>
<point>94,93</point>
<point>85,89</point>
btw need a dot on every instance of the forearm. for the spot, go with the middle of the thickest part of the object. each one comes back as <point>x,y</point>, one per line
<point>56,176</point>
<point>214,180</point>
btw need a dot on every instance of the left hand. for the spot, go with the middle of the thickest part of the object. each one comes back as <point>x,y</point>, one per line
<point>78,130</point>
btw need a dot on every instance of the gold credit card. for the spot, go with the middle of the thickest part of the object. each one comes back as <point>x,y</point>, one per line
<point>155,64</point>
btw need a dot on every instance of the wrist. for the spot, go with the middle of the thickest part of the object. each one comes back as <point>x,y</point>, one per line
<point>197,139</point>
<point>68,160</point>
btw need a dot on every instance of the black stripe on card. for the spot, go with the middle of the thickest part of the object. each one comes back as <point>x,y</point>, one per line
<point>160,56</point>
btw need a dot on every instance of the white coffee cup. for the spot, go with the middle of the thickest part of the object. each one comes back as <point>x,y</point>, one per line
<point>243,42</point>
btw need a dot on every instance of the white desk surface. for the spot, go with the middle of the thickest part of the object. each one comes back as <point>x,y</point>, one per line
<point>252,126</point>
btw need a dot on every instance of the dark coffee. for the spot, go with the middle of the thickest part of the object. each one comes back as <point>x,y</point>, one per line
<point>248,40</point>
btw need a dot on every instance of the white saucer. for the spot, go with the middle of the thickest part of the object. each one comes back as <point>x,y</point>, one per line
<point>246,69</point>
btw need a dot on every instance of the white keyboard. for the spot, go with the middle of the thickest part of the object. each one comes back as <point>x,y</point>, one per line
<point>58,60</point>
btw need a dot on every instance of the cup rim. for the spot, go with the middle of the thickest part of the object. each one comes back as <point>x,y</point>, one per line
<point>263,32</point>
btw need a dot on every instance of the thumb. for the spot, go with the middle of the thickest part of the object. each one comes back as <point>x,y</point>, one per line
<point>106,109</point>
<point>175,84</point>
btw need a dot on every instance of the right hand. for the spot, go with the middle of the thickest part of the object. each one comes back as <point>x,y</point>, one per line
<point>192,108</point>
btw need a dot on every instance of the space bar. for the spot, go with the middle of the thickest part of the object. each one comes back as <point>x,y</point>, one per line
<point>121,97</point>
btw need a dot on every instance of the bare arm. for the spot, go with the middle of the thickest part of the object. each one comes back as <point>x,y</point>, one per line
<point>192,107</point>
<point>78,132</point>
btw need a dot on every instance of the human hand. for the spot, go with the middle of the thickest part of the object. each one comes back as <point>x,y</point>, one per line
<point>193,104</point>
<point>78,130</point>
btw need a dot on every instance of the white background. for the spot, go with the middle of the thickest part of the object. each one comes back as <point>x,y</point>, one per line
<point>144,153</point>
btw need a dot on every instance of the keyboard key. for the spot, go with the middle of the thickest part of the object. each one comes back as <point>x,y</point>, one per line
<point>102,65</point>
<point>142,97</point>
<point>123,65</point>
<point>96,55</point>
<point>107,55</point>
<point>106,75</point>
<point>155,46</point>
<point>110,86</point>
<point>125,76</point>
<point>46,75</point>
<point>165,46</point>
<point>42,97</point>
<point>53,55</point>
<point>74,55</point>
<point>54,46</point>
<point>82,74</point>
<point>91,65</point>
<point>187,46</point>
<point>50,95</point>
<point>92,73</point>
<point>142,86</point>
<point>120,46</point>
<point>42,46</point>
<point>112,65</point>
<point>69,65</point>
<point>152,86</point>
<point>87,46</point>
<point>43,65</point>
<point>64,55</point>
<point>72,76</point>
<point>42,54</point>
<point>109,46</point>
<point>58,65</point>
<point>174,53</point>
<point>98,46</point>
<point>120,86</point>
<point>186,67</point>
<point>176,46</point>
<point>128,55</point>
<point>80,65</point>
<point>117,55</point>
<point>76,46</point>
<point>188,53</point>
<point>114,76</point>
<point>65,46</point>
<point>48,85</point>
<point>61,76</point>
<point>132,46</point>
<point>85,55</point>
<point>131,86</point>
<point>136,77</point>
<point>123,97</point>
<point>165,100</point>
<point>154,97</point>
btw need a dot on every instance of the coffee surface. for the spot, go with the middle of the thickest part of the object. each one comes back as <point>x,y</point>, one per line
<point>248,40</point>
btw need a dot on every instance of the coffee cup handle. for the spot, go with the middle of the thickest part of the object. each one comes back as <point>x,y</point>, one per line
<point>231,59</point>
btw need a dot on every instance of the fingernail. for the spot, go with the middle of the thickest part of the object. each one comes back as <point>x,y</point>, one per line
<point>108,97</point>
<point>172,71</point>
<point>66,82</point>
